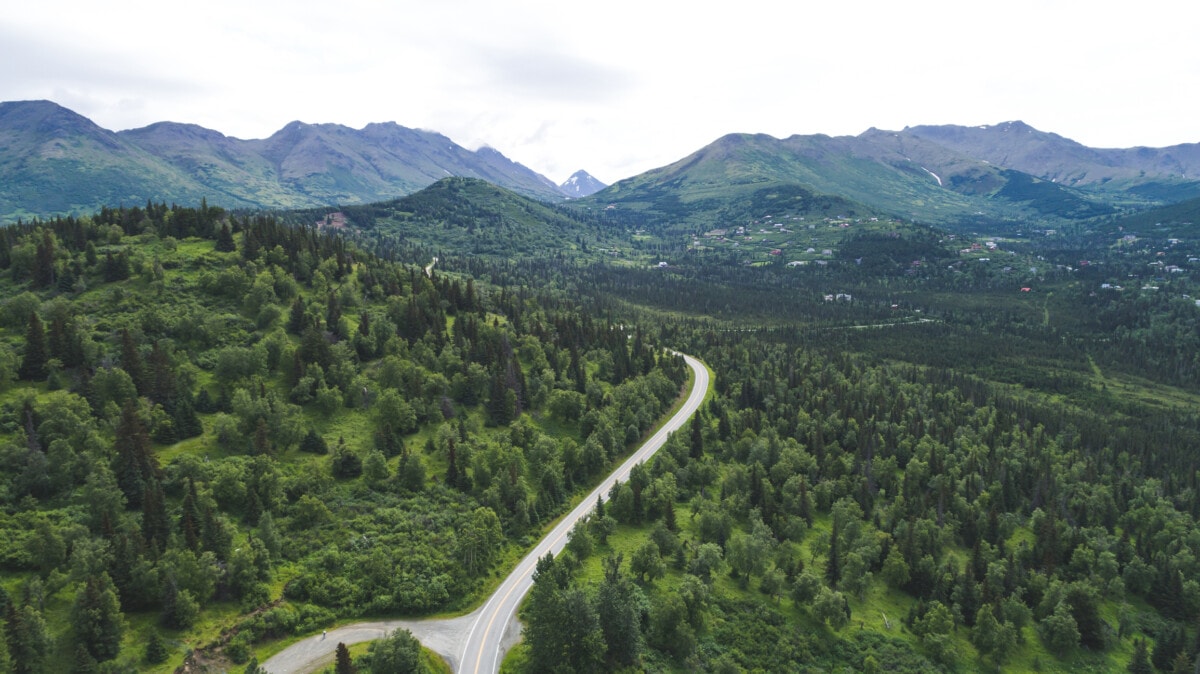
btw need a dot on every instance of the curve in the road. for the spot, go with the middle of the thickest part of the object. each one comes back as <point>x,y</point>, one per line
<point>476,643</point>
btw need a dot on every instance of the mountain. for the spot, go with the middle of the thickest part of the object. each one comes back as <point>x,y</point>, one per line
<point>1049,156</point>
<point>946,175</point>
<point>881,171</point>
<point>581,184</point>
<point>53,160</point>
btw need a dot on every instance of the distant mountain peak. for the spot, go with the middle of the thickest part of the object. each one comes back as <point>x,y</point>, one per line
<point>53,160</point>
<point>46,117</point>
<point>581,184</point>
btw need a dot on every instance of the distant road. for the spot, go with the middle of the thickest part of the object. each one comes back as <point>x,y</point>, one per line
<point>476,643</point>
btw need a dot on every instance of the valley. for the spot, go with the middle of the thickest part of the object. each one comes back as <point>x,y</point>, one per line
<point>950,427</point>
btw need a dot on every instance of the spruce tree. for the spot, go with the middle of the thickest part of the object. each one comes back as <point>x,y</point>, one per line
<point>33,365</point>
<point>187,424</point>
<point>189,518</point>
<point>833,565</point>
<point>314,443</point>
<point>134,464</point>
<point>225,243</point>
<point>452,476</point>
<point>28,640</point>
<point>1140,662</point>
<point>696,449</point>
<point>155,523</point>
<point>131,361</point>
<point>156,650</point>
<point>43,264</point>
<point>343,663</point>
<point>297,319</point>
<point>96,619</point>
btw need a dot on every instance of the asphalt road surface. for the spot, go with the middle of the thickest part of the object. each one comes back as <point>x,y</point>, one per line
<point>484,649</point>
<point>476,643</point>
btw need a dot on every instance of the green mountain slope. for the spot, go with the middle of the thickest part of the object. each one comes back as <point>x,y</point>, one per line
<point>884,172</point>
<point>1165,174</point>
<point>53,160</point>
<point>468,216</point>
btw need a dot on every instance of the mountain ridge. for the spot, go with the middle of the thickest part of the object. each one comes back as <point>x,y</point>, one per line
<point>1043,154</point>
<point>55,161</point>
<point>911,174</point>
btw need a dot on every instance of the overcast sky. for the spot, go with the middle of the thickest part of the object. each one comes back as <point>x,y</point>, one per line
<point>614,87</point>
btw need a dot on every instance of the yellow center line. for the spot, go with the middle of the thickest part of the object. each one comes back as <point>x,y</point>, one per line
<point>488,628</point>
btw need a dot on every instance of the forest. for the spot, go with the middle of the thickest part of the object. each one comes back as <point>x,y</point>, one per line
<point>223,431</point>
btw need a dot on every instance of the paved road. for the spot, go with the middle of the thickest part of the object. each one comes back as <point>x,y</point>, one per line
<point>476,643</point>
<point>485,647</point>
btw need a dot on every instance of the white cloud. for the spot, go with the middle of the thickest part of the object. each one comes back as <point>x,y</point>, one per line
<point>615,88</point>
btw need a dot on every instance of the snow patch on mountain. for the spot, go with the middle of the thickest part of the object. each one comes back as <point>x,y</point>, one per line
<point>580,184</point>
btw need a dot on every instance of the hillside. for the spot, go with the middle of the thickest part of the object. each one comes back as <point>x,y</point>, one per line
<point>882,171</point>
<point>467,217</point>
<point>1169,173</point>
<point>53,160</point>
<point>218,432</point>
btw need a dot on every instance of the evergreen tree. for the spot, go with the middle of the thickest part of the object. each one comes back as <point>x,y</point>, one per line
<point>502,402</point>
<point>116,267</point>
<point>161,381</point>
<point>205,403</point>
<point>131,361</point>
<point>1140,662</point>
<point>85,663</point>
<point>619,608</point>
<point>342,662</point>
<point>225,243</point>
<point>96,618</point>
<point>189,518</point>
<point>696,448</point>
<point>1170,642</point>
<point>28,640</point>
<point>64,341</point>
<point>43,265</point>
<point>134,463</point>
<point>833,564</point>
<point>156,650</point>
<point>186,422</point>
<point>33,365</point>
<point>346,463</point>
<point>297,319</point>
<point>156,526</point>
<point>314,443</point>
<point>452,476</point>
